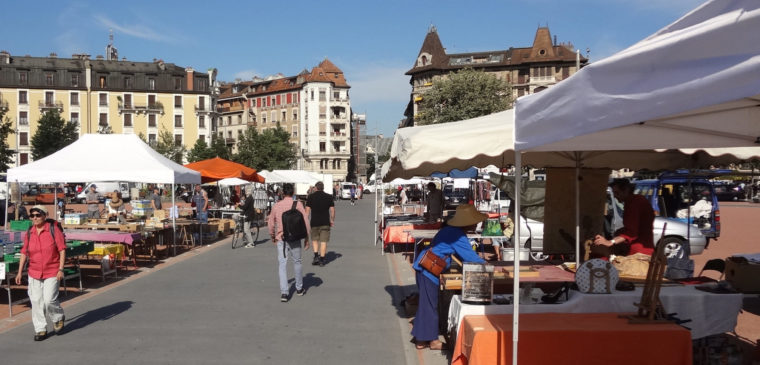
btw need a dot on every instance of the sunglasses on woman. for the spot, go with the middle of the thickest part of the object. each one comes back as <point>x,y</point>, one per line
<point>35,215</point>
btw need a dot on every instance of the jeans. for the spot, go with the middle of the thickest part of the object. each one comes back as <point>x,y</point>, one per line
<point>203,217</point>
<point>292,249</point>
<point>43,294</point>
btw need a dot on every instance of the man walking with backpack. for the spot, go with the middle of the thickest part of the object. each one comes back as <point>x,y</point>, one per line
<point>287,227</point>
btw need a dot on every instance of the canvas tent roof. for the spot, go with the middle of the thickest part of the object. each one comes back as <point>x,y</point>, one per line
<point>693,84</point>
<point>489,140</point>
<point>218,168</point>
<point>105,157</point>
<point>291,176</point>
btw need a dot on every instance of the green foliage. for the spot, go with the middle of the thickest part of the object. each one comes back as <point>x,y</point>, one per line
<point>6,154</point>
<point>270,150</point>
<point>200,152</point>
<point>165,145</point>
<point>463,95</point>
<point>53,133</point>
<point>219,148</point>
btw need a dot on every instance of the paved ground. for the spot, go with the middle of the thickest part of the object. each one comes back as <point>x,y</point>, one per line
<point>218,305</point>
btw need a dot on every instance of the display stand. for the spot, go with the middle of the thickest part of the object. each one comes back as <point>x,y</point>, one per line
<point>650,306</point>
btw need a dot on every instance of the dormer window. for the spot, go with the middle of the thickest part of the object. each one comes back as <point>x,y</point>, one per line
<point>424,59</point>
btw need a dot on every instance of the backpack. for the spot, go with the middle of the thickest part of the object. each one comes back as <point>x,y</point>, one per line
<point>293,224</point>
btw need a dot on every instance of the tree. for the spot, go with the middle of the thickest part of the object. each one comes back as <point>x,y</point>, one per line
<point>269,150</point>
<point>463,95</point>
<point>53,133</point>
<point>168,147</point>
<point>219,148</point>
<point>200,152</point>
<point>6,153</point>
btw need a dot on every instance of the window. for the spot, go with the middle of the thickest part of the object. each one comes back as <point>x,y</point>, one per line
<point>295,131</point>
<point>240,133</point>
<point>201,122</point>
<point>128,101</point>
<point>49,98</point>
<point>240,119</point>
<point>152,138</point>
<point>23,158</point>
<point>23,118</point>
<point>23,139</point>
<point>274,116</point>
<point>178,101</point>
<point>177,121</point>
<point>151,101</point>
<point>178,139</point>
<point>201,103</point>
<point>103,119</point>
<point>336,95</point>
<point>295,115</point>
<point>102,81</point>
<point>151,120</point>
<point>229,134</point>
<point>152,84</point>
<point>322,96</point>
<point>75,80</point>
<point>75,117</point>
<point>322,112</point>
<point>229,120</point>
<point>103,99</point>
<point>322,147</point>
<point>22,97</point>
<point>312,95</point>
<point>177,83</point>
<point>22,77</point>
<point>264,118</point>
<point>202,137</point>
<point>127,120</point>
<point>74,98</point>
<point>127,82</point>
<point>284,115</point>
<point>49,79</point>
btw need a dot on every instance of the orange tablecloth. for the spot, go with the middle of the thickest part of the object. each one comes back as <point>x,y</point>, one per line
<point>398,234</point>
<point>570,338</point>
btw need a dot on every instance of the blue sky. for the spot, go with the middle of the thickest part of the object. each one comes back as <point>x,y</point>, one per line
<point>373,42</point>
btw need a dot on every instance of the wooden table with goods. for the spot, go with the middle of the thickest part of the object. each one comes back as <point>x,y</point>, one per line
<point>562,338</point>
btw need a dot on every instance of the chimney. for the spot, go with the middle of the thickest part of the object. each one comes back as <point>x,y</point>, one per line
<point>189,78</point>
<point>5,57</point>
<point>53,55</point>
<point>161,64</point>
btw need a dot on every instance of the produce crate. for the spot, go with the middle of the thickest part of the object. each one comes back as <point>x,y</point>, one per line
<point>8,257</point>
<point>22,225</point>
<point>78,248</point>
<point>11,266</point>
<point>140,204</point>
<point>75,218</point>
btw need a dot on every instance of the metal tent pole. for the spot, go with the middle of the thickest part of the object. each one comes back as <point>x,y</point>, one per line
<point>516,258</point>
<point>174,212</point>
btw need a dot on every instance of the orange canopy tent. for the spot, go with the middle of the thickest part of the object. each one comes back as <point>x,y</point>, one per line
<point>218,168</point>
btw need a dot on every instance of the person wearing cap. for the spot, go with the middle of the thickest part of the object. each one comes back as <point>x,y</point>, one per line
<point>93,211</point>
<point>450,240</point>
<point>46,252</point>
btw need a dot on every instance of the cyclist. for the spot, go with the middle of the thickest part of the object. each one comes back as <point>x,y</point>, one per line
<point>250,213</point>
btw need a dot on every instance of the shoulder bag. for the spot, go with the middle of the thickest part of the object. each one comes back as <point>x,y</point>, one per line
<point>433,263</point>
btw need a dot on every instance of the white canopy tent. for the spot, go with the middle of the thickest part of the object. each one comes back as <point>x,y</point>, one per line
<point>693,84</point>
<point>106,157</point>
<point>233,181</point>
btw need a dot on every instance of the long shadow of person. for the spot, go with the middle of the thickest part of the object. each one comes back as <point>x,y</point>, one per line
<point>309,281</point>
<point>331,256</point>
<point>100,314</point>
<point>403,298</point>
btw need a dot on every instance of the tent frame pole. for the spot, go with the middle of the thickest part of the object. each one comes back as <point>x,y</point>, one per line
<point>174,212</point>
<point>516,246</point>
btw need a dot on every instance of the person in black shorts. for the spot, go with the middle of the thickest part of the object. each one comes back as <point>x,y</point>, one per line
<point>321,208</point>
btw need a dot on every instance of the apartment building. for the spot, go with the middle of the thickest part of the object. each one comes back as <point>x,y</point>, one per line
<point>313,106</point>
<point>527,69</point>
<point>106,94</point>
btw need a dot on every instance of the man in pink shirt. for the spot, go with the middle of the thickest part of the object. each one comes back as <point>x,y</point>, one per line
<point>287,248</point>
<point>46,252</point>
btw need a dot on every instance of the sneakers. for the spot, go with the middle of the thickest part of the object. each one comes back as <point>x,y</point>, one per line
<point>300,292</point>
<point>316,260</point>
<point>39,336</point>
<point>250,245</point>
<point>58,326</point>
<point>322,262</point>
<point>284,298</point>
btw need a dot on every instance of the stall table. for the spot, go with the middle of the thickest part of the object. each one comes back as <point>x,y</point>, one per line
<point>709,313</point>
<point>397,232</point>
<point>561,338</point>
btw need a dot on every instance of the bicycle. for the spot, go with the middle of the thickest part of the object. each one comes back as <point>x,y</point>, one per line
<point>238,236</point>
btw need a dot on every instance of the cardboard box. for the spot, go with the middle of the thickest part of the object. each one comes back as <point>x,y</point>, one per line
<point>743,275</point>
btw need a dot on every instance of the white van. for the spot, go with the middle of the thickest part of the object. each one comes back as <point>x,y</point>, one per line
<point>345,190</point>
<point>104,189</point>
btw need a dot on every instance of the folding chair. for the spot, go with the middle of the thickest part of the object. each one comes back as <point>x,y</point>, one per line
<point>718,265</point>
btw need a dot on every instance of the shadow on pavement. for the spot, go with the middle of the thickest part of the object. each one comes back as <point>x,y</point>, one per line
<point>331,256</point>
<point>100,314</point>
<point>405,306</point>
<point>752,305</point>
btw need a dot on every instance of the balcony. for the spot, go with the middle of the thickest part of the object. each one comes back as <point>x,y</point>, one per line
<point>338,134</point>
<point>51,105</point>
<point>230,109</point>
<point>155,108</point>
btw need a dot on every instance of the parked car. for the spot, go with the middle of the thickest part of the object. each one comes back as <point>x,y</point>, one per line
<point>727,192</point>
<point>105,188</point>
<point>683,197</point>
<point>345,190</point>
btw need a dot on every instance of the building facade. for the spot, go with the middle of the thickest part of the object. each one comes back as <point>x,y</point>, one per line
<point>313,106</point>
<point>527,69</point>
<point>106,95</point>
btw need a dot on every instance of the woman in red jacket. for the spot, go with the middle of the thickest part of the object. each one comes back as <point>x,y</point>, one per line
<point>46,252</point>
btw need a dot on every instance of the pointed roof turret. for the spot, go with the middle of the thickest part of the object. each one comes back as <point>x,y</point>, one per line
<point>432,51</point>
<point>543,47</point>
<point>328,66</point>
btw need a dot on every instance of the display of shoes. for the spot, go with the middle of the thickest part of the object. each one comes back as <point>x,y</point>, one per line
<point>39,336</point>
<point>284,298</point>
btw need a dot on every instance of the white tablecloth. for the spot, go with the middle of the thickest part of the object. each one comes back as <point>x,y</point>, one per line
<point>709,313</point>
